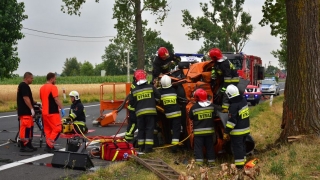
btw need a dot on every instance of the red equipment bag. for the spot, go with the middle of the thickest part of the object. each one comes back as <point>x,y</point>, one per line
<point>116,151</point>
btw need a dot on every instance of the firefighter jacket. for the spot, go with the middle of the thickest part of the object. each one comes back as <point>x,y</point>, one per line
<point>77,111</point>
<point>226,72</point>
<point>143,98</point>
<point>202,118</point>
<point>238,123</point>
<point>169,101</point>
<point>164,66</point>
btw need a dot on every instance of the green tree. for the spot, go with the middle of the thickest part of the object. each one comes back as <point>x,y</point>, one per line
<point>71,67</point>
<point>129,19</point>
<point>152,42</point>
<point>11,16</point>
<point>115,58</point>
<point>86,69</point>
<point>271,70</point>
<point>301,107</point>
<point>274,15</point>
<point>99,67</point>
<point>226,26</point>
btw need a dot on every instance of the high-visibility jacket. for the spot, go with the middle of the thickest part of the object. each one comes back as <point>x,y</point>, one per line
<point>202,118</point>
<point>143,98</point>
<point>238,123</point>
<point>130,104</point>
<point>226,72</point>
<point>77,111</point>
<point>169,100</point>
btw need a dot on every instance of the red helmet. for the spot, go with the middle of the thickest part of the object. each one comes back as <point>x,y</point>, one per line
<point>163,53</point>
<point>201,95</point>
<point>140,74</point>
<point>215,54</point>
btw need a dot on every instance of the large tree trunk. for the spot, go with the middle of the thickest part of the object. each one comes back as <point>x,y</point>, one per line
<point>139,34</point>
<point>301,107</point>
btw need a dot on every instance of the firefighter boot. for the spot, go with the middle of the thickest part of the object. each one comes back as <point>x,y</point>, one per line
<point>29,144</point>
<point>24,148</point>
<point>48,149</point>
<point>174,149</point>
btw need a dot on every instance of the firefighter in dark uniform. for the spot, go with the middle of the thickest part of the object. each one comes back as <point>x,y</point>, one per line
<point>226,72</point>
<point>202,114</point>
<point>132,126</point>
<point>238,125</point>
<point>77,113</point>
<point>171,109</point>
<point>163,62</point>
<point>144,97</point>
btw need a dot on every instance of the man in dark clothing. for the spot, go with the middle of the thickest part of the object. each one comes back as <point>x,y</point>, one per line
<point>171,109</point>
<point>163,63</point>
<point>238,125</point>
<point>144,97</point>
<point>26,112</point>
<point>202,114</point>
<point>225,71</point>
<point>77,113</point>
<point>132,125</point>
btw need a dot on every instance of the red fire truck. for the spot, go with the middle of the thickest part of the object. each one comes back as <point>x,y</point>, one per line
<point>249,66</point>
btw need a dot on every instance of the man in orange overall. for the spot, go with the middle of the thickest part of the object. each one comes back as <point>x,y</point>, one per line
<point>26,112</point>
<point>50,112</point>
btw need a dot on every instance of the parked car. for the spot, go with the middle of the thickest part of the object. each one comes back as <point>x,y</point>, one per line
<point>269,87</point>
<point>252,94</point>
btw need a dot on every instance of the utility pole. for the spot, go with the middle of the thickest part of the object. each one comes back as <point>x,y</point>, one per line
<point>128,65</point>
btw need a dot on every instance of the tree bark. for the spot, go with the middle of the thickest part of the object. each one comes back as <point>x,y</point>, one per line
<point>301,107</point>
<point>139,35</point>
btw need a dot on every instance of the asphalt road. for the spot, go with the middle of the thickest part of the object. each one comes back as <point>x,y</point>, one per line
<point>34,166</point>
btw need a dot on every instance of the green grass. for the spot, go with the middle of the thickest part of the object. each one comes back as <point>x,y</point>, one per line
<point>72,79</point>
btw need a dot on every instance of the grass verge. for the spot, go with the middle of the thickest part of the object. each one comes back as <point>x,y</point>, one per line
<point>298,160</point>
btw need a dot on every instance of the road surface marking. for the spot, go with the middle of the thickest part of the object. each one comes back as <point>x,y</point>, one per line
<point>36,158</point>
<point>64,108</point>
<point>4,144</point>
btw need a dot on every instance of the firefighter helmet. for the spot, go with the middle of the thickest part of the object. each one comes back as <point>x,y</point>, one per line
<point>200,95</point>
<point>166,81</point>
<point>140,76</point>
<point>74,94</point>
<point>216,54</point>
<point>232,91</point>
<point>163,53</point>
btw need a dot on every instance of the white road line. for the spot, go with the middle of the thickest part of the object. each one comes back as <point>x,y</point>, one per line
<point>4,144</point>
<point>36,158</point>
<point>64,108</point>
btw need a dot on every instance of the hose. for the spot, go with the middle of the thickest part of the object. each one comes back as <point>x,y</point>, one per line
<point>123,104</point>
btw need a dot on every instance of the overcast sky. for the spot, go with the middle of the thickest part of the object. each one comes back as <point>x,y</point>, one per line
<point>41,55</point>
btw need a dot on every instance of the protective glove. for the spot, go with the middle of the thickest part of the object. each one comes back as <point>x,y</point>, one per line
<point>226,137</point>
<point>32,112</point>
<point>225,111</point>
<point>63,113</point>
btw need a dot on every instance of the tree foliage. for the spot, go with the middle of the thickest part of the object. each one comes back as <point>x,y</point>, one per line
<point>86,69</point>
<point>274,15</point>
<point>11,16</point>
<point>71,67</point>
<point>226,26</point>
<point>129,24</point>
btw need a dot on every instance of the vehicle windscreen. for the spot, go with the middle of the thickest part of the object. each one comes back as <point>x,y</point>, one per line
<point>267,82</point>
<point>237,63</point>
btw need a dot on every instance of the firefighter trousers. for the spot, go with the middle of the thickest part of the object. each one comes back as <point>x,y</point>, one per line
<point>207,142</point>
<point>146,125</point>
<point>26,128</point>
<point>132,126</point>
<point>176,129</point>
<point>238,145</point>
<point>52,127</point>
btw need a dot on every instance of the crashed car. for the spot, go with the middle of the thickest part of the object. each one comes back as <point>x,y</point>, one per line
<point>252,94</point>
<point>269,87</point>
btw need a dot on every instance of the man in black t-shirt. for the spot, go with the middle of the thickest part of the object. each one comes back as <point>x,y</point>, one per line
<point>26,112</point>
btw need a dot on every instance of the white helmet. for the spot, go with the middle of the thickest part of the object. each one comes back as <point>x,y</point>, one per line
<point>232,91</point>
<point>74,94</point>
<point>165,81</point>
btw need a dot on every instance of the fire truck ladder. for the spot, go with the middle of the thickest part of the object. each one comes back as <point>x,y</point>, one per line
<point>159,167</point>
